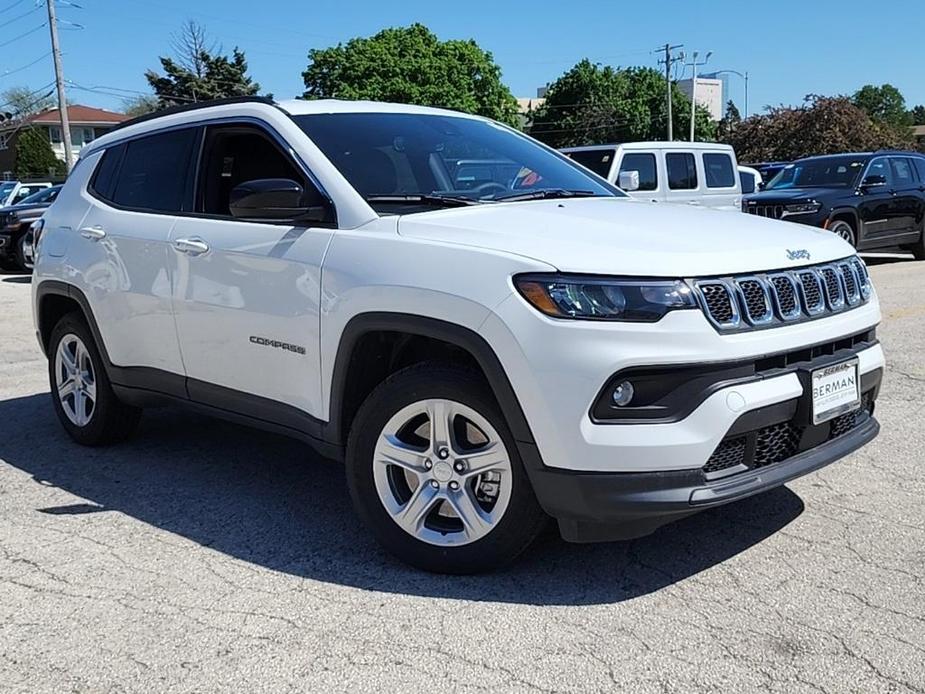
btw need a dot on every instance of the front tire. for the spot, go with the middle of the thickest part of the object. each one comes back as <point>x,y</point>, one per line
<point>434,473</point>
<point>21,255</point>
<point>82,395</point>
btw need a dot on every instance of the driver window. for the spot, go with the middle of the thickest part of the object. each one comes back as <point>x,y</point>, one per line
<point>235,155</point>
<point>880,167</point>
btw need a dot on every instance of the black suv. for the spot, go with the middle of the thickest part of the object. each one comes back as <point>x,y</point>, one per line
<point>871,200</point>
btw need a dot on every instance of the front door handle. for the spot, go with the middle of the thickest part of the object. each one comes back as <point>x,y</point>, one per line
<point>193,246</point>
<point>94,233</point>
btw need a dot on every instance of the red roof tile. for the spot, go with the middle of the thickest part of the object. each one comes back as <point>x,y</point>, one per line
<point>78,115</point>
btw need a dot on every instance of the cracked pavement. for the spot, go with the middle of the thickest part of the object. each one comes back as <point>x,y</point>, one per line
<point>202,556</point>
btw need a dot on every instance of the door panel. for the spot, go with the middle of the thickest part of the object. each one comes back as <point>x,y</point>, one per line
<point>247,293</point>
<point>906,197</point>
<point>876,208</point>
<point>247,310</point>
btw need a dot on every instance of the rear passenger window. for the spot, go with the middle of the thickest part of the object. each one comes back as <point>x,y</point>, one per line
<point>920,166</point>
<point>682,170</point>
<point>645,164</point>
<point>718,170</point>
<point>154,172</point>
<point>902,172</point>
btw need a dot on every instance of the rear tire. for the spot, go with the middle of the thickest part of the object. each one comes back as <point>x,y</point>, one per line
<point>82,395</point>
<point>459,507</point>
<point>21,255</point>
<point>918,248</point>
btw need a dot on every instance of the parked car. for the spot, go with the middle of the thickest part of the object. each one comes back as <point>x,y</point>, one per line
<point>750,179</point>
<point>872,200</point>
<point>15,222</point>
<point>479,359</point>
<point>694,173</point>
<point>768,169</point>
<point>14,192</point>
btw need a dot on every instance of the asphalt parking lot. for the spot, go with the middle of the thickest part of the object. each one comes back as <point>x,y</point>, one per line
<point>201,556</point>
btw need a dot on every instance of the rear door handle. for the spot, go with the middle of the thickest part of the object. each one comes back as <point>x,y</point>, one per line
<point>94,233</point>
<point>193,246</point>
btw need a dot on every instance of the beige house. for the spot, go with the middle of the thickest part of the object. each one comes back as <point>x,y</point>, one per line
<point>87,124</point>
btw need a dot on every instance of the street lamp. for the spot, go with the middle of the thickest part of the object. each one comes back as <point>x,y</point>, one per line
<point>744,76</point>
<point>694,64</point>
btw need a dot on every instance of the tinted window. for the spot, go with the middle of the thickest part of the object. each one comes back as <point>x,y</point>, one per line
<point>718,170</point>
<point>880,167</point>
<point>598,160</point>
<point>236,155</point>
<point>920,166</point>
<point>154,172</point>
<point>682,171</point>
<point>106,171</point>
<point>645,164</point>
<point>902,172</point>
<point>748,182</point>
<point>823,172</point>
<point>48,195</point>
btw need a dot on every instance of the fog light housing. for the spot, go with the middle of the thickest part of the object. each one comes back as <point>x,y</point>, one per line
<point>623,394</point>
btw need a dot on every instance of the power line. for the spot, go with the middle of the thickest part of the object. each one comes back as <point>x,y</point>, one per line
<point>10,7</point>
<point>18,17</point>
<point>24,34</point>
<point>26,66</point>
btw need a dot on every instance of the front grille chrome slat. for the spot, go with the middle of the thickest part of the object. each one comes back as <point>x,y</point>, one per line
<point>751,302</point>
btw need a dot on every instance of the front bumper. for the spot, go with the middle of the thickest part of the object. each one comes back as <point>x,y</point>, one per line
<point>601,507</point>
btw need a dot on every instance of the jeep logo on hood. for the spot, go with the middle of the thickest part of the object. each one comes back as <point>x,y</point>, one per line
<point>799,254</point>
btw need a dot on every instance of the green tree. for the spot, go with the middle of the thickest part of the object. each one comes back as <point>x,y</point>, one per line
<point>140,105</point>
<point>917,115</point>
<point>885,104</point>
<point>729,122</point>
<point>22,101</point>
<point>199,72</point>
<point>822,125</point>
<point>34,156</point>
<point>411,65</point>
<point>592,104</point>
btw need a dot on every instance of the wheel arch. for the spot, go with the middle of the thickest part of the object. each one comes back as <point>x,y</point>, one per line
<point>54,300</point>
<point>849,214</point>
<point>413,329</point>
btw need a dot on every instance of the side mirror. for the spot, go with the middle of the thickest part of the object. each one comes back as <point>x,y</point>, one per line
<point>761,185</point>
<point>278,200</point>
<point>629,181</point>
<point>873,181</point>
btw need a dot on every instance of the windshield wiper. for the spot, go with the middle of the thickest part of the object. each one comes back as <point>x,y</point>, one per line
<point>547,194</point>
<point>441,200</point>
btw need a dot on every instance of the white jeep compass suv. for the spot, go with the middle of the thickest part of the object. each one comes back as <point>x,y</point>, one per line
<point>482,354</point>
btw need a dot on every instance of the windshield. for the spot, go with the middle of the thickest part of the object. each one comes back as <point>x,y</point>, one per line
<point>422,160</point>
<point>48,195</point>
<point>827,172</point>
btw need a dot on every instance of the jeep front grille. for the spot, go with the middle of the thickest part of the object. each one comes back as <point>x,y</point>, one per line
<point>749,302</point>
<point>762,210</point>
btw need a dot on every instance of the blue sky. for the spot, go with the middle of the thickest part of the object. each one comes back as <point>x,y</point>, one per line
<point>789,48</point>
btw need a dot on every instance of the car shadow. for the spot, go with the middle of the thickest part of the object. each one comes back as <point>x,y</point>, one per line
<point>269,501</point>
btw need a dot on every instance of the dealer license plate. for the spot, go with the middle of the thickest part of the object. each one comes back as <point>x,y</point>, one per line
<point>836,390</point>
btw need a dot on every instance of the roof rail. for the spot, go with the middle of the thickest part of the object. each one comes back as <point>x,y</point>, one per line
<point>194,107</point>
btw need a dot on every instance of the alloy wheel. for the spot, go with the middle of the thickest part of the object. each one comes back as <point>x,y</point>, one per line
<point>75,380</point>
<point>442,472</point>
<point>843,230</point>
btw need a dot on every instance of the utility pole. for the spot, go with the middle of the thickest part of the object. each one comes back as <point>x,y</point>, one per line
<point>694,65</point>
<point>669,61</point>
<point>59,82</point>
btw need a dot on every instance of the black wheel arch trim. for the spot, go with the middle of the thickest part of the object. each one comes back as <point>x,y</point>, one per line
<point>434,328</point>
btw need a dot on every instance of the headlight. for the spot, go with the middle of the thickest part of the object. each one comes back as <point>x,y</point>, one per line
<point>803,208</point>
<point>604,298</point>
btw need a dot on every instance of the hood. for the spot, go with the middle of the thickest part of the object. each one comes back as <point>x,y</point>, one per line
<point>615,236</point>
<point>795,194</point>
